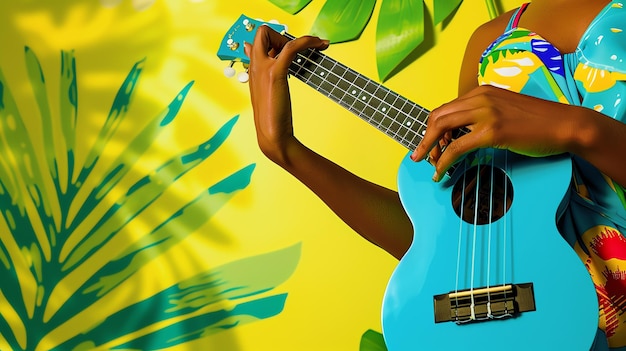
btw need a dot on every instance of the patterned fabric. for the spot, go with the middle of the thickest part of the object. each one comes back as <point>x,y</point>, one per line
<point>593,76</point>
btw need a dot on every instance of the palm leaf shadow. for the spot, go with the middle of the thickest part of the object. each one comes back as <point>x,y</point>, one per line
<point>200,301</point>
<point>59,224</point>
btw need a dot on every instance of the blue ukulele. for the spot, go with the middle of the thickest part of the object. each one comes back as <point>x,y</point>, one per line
<point>487,269</point>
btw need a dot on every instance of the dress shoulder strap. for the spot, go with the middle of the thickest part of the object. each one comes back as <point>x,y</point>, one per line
<point>517,14</point>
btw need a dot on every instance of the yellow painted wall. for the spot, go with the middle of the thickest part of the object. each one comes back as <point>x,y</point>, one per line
<point>335,293</point>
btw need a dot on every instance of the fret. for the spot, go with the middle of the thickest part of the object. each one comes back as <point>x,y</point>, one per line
<point>394,127</point>
<point>407,107</point>
<point>403,131</point>
<point>351,92</point>
<point>374,102</point>
<point>384,109</point>
<point>377,117</point>
<point>325,71</point>
<point>377,101</point>
<point>305,64</point>
<point>347,101</point>
<point>341,91</point>
<point>407,131</point>
<point>393,114</point>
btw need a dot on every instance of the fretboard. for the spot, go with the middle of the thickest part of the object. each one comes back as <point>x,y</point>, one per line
<point>389,112</point>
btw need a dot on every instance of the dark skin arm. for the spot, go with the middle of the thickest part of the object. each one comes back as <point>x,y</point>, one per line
<point>373,211</point>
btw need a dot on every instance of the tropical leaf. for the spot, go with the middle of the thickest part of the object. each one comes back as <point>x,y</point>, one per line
<point>38,84</point>
<point>372,341</point>
<point>208,323</point>
<point>68,109</point>
<point>343,20</point>
<point>444,8</point>
<point>400,28</point>
<point>291,6</point>
<point>116,115</point>
<point>194,307</point>
<point>60,225</point>
<point>399,31</point>
<point>141,194</point>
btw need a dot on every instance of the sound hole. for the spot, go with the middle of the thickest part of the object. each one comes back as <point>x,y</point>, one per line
<point>482,195</point>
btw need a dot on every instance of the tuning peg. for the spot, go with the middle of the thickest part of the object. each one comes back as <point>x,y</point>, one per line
<point>243,77</point>
<point>230,71</point>
<point>233,45</point>
<point>248,25</point>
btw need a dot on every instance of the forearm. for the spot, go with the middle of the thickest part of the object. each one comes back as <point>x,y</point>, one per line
<point>373,211</point>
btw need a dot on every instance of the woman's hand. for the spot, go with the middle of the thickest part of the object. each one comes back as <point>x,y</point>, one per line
<point>371,210</point>
<point>270,57</point>
<point>496,118</point>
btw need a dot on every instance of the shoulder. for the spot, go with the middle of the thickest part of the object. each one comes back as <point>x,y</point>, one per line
<point>486,33</point>
<point>482,37</point>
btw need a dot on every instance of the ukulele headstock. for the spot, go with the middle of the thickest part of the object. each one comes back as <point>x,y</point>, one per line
<point>232,48</point>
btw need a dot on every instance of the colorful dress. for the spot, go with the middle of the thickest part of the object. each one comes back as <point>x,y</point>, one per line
<point>594,76</point>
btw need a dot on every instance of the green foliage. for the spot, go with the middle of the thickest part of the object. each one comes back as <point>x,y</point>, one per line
<point>235,281</point>
<point>444,8</point>
<point>372,341</point>
<point>397,34</point>
<point>62,219</point>
<point>400,29</point>
<point>343,20</point>
<point>291,6</point>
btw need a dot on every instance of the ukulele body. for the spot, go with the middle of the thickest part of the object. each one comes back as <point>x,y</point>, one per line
<point>453,263</point>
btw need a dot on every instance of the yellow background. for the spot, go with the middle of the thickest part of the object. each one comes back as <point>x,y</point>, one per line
<point>336,291</point>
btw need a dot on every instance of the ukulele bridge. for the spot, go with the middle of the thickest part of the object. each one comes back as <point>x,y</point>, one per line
<point>484,304</point>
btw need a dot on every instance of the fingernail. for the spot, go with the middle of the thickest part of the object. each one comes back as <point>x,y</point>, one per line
<point>435,177</point>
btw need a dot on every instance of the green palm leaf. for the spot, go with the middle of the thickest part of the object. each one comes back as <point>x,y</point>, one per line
<point>143,192</point>
<point>291,6</point>
<point>116,115</point>
<point>343,20</point>
<point>398,33</point>
<point>444,8</point>
<point>400,29</point>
